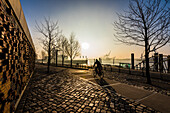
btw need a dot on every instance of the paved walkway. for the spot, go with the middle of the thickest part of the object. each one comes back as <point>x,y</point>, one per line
<point>69,90</point>
<point>154,100</point>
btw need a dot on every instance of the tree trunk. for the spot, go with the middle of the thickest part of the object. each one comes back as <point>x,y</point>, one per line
<point>62,60</point>
<point>147,68</point>
<point>56,58</point>
<point>147,48</point>
<point>71,61</point>
<point>147,62</point>
<point>49,57</point>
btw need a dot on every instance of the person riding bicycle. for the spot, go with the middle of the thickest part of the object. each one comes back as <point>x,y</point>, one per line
<point>98,68</point>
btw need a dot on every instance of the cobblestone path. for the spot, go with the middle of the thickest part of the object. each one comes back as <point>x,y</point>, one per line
<point>62,92</point>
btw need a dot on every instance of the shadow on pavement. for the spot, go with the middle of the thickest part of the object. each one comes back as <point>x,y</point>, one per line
<point>108,89</point>
<point>104,83</point>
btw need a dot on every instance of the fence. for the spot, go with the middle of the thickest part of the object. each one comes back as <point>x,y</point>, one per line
<point>159,67</point>
<point>158,63</point>
<point>75,66</point>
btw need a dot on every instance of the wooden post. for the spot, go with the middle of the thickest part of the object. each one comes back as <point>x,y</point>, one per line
<point>168,60</point>
<point>156,62</point>
<point>119,67</point>
<point>56,57</point>
<point>161,63</point>
<point>132,61</point>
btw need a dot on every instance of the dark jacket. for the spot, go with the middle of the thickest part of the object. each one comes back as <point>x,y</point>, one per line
<point>99,65</point>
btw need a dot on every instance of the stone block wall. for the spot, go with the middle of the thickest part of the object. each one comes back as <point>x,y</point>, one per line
<point>17,57</point>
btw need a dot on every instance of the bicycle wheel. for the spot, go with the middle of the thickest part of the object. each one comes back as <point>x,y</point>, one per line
<point>102,75</point>
<point>94,73</point>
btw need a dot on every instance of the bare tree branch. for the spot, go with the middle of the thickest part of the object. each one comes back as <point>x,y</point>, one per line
<point>72,47</point>
<point>145,24</point>
<point>51,33</point>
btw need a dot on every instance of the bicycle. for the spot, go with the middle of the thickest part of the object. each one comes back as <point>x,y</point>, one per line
<point>94,73</point>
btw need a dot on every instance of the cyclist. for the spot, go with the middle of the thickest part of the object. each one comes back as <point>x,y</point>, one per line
<point>98,68</point>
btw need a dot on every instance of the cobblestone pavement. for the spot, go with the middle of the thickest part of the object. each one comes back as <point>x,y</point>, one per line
<point>62,92</point>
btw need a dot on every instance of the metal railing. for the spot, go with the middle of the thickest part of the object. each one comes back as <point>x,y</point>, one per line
<point>157,63</point>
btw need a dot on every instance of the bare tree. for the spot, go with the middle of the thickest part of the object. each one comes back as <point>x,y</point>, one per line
<point>43,55</point>
<point>72,48</point>
<point>53,54</point>
<point>50,31</point>
<point>146,24</point>
<point>62,47</point>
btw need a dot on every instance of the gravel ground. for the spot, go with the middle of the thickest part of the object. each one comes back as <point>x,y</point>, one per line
<point>158,85</point>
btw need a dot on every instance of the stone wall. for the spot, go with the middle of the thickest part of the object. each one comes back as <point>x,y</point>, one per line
<point>17,54</point>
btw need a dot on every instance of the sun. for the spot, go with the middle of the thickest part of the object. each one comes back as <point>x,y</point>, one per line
<point>85,45</point>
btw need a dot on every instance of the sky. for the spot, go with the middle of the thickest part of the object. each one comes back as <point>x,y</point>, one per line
<point>90,20</point>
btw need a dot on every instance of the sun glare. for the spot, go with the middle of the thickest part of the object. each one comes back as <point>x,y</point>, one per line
<point>85,45</point>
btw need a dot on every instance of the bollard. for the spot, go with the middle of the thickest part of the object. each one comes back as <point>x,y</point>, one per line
<point>137,67</point>
<point>132,60</point>
<point>161,63</point>
<point>119,67</point>
<point>168,60</point>
<point>140,65</point>
<point>156,62</point>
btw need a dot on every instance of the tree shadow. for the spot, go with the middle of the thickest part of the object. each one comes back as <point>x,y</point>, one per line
<point>115,99</point>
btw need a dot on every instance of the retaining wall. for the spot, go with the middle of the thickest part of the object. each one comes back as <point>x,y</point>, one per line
<point>17,54</point>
